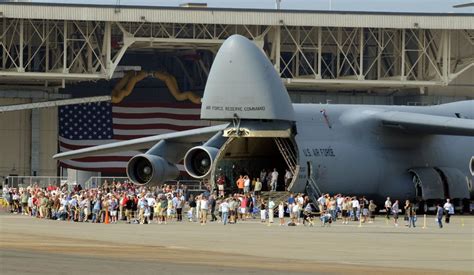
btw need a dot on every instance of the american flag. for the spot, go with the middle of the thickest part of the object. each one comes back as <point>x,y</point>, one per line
<point>92,124</point>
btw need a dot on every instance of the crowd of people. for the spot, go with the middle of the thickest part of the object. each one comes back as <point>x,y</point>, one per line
<point>267,179</point>
<point>117,201</point>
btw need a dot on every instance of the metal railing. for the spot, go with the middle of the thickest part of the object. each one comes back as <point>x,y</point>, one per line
<point>194,185</point>
<point>93,182</point>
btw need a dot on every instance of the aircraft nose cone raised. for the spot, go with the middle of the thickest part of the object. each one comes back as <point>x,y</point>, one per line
<point>243,82</point>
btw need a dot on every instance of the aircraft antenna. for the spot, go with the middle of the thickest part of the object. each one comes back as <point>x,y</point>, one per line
<point>236,122</point>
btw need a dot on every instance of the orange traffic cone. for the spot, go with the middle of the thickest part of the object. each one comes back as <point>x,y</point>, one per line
<point>106,217</point>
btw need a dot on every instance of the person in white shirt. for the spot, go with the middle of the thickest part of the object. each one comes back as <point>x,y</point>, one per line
<point>296,210</point>
<point>151,203</point>
<point>85,205</point>
<point>263,211</point>
<point>271,206</point>
<point>204,209</point>
<point>388,207</point>
<point>281,213</point>
<point>339,200</point>
<point>198,208</point>
<point>322,204</point>
<point>355,208</point>
<point>274,179</point>
<point>258,187</point>
<point>395,209</point>
<point>300,201</point>
<point>288,177</point>
<point>179,207</point>
<point>224,206</point>
<point>246,184</point>
<point>448,210</point>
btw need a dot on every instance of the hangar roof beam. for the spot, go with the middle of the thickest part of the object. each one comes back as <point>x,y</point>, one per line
<point>55,103</point>
<point>57,42</point>
<point>356,19</point>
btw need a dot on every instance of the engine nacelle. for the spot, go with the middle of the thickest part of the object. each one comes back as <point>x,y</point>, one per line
<point>198,161</point>
<point>149,169</point>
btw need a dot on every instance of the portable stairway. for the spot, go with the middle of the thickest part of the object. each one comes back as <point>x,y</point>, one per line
<point>287,151</point>
<point>313,190</point>
<point>289,155</point>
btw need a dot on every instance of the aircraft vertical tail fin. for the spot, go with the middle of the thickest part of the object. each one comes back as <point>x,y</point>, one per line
<point>243,84</point>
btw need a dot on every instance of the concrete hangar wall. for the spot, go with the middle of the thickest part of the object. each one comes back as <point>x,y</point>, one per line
<point>16,137</point>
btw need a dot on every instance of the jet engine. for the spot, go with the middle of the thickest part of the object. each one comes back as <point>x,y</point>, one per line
<point>147,169</point>
<point>198,161</point>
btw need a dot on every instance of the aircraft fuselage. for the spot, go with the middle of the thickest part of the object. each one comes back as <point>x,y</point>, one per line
<point>347,153</point>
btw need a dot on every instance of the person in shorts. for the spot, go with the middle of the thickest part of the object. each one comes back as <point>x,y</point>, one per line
<point>281,213</point>
<point>372,208</point>
<point>232,212</point>
<point>395,209</point>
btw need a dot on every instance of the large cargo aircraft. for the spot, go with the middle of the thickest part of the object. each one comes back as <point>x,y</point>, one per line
<point>413,152</point>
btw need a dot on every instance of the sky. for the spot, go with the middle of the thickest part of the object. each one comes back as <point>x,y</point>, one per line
<point>442,6</point>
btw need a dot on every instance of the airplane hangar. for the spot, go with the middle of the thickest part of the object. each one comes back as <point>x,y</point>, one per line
<point>57,54</point>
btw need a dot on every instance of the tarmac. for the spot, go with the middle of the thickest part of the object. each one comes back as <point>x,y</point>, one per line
<point>31,245</point>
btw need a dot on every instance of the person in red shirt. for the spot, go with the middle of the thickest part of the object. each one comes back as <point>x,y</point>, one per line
<point>221,185</point>
<point>123,203</point>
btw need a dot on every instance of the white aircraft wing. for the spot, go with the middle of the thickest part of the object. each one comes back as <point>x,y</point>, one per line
<point>189,136</point>
<point>426,124</point>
